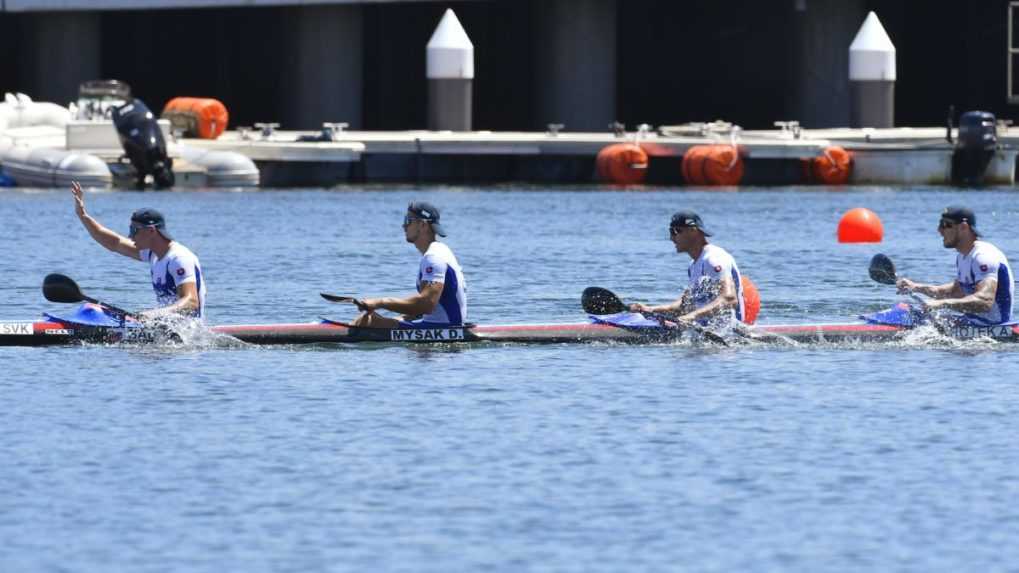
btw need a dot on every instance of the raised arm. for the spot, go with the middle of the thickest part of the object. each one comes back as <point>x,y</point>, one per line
<point>105,237</point>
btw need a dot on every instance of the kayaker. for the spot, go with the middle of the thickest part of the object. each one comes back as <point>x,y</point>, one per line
<point>714,289</point>
<point>983,288</point>
<point>441,299</point>
<point>176,273</point>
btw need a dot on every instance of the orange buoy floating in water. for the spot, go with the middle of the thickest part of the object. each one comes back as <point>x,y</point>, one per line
<point>751,300</point>
<point>860,226</point>
<point>713,165</point>
<point>832,167</point>
<point>622,163</point>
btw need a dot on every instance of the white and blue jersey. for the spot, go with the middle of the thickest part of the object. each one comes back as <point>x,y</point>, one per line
<point>177,267</point>
<point>705,274</point>
<point>985,261</point>
<point>439,265</point>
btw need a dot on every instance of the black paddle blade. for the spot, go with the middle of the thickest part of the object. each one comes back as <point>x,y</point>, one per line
<point>341,298</point>
<point>59,288</point>
<point>336,297</point>
<point>597,300</point>
<point>882,269</point>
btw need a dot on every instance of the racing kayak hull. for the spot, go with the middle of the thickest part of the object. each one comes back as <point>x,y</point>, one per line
<point>54,333</point>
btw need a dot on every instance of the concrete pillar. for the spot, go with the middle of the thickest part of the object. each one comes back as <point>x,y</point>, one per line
<point>574,61</point>
<point>872,76</point>
<point>820,89</point>
<point>62,49</point>
<point>325,71</point>
<point>449,67</point>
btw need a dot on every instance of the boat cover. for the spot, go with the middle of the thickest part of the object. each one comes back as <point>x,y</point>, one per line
<point>89,314</point>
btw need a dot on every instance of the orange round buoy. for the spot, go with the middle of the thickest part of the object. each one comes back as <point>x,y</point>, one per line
<point>723,166</point>
<point>197,116</point>
<point>860,226</point>
<point>751,300</point>
<point>712,165</point>
<point>832,167</point>
<point>691,165</point>
<point>622,163</point>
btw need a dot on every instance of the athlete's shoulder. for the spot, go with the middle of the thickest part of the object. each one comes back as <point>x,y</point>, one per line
<point>717,255</point>
<point>994,249</point>
<point>986,253</point>
<point>179,255</point>
<point>438,247</point>
<point>440,251</point>
<point>179,251</point>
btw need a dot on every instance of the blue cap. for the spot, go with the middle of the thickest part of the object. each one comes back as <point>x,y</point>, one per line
<point>688,219</point>
<point>151,218</point>
<point>961,215</point>
<point>429,213</point>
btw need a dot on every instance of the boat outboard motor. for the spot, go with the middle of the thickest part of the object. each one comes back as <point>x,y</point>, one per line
<point>974,148</point>
<point>143,143</point>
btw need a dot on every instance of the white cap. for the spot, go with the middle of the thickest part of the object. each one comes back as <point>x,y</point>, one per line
<point>872,54</point>
<point>450,53</point>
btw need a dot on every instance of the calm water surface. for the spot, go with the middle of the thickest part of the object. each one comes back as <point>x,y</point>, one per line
<point>503,457</point>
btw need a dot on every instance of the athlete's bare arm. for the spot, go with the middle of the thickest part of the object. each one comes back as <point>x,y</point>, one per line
<point>187,302</point>
<point>105,237</point>
<point>681,304</point>
<point>982,299</point>
<point>423,302</point>
<point>725,300</point>
<point>947,290</point>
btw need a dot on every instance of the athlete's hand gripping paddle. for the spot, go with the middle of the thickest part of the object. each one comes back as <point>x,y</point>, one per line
<point>882,270</point>
<point>597,300</point>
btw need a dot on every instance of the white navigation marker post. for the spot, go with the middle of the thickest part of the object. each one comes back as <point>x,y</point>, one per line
<point>450,72</point>
<point>872,76</point>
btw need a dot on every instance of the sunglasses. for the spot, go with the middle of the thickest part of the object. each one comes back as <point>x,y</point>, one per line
<point>945,224</point>
<point>673,231</point>
<point>407,220</point>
